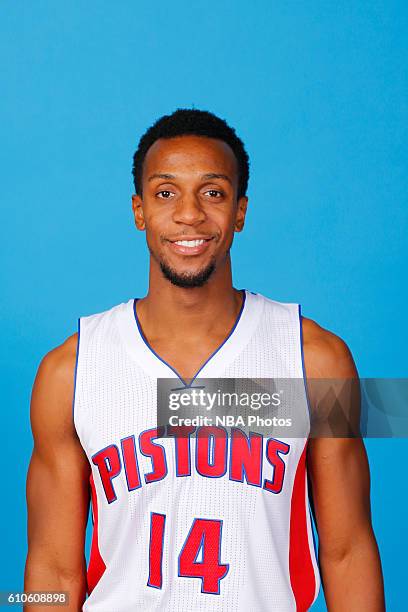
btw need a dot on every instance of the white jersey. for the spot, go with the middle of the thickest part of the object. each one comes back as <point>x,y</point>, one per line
<point>175,529</point>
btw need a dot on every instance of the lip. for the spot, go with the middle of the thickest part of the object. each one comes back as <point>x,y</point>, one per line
<point>185,250</point>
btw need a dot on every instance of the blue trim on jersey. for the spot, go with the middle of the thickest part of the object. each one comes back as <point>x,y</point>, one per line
<point>187,386</point>
<point>75,371</point>
<point>303,363</point>
<point>314,531</point>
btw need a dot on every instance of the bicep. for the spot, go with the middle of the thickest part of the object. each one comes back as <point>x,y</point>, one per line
<point>57,504</point>
<point>58,475</point>
<point>340,486</point>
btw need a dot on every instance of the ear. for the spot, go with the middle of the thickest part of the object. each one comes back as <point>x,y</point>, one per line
<point>137,207</point>
<point>241,212</point>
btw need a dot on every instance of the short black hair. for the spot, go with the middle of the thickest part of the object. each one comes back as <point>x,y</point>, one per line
<point>185,121</point>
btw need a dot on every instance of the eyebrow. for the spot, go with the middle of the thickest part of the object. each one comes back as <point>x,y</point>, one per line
<point>215,175</point>
<point>162,176</point>
<point>210,175</point>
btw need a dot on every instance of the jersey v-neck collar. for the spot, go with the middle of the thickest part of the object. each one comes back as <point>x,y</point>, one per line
<point>156,367</point>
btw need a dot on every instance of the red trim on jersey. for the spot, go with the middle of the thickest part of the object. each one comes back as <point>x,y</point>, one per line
<point>302,575</point>
<point>96,566</point>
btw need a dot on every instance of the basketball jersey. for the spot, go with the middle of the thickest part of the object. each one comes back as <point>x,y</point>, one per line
<point>173,531</point>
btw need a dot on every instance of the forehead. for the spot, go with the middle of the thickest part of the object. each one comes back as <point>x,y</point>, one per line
<point>190,154</point>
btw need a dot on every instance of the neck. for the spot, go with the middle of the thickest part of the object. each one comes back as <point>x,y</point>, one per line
<point>168,310</point>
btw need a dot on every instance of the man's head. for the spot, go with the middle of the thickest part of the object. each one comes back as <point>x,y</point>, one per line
<point>191,175</point>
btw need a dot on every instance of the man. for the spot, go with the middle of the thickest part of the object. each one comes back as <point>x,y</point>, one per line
<point>164,510</point>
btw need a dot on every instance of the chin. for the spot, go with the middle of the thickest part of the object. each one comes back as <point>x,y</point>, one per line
<point>186,279</point>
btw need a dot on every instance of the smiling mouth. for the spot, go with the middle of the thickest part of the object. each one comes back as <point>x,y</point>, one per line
<point>186,246</point>
<point>191,243</point>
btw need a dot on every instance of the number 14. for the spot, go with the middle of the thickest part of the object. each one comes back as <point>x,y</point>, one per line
<point>204,537</point>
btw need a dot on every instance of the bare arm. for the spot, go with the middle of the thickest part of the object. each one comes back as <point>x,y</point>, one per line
<point>57,485</point>
<point>340,482</point>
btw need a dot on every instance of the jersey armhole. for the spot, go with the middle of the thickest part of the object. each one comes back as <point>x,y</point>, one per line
<point>302,357</point>
<point>311,524</point>
<point>76,372</point>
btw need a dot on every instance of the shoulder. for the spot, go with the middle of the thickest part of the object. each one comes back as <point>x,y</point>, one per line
<point>325,354</point>
<point>59,364</point>
<point>52,395</point>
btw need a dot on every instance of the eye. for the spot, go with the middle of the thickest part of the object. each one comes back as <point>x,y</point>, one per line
<point>164,194</point>
<point>214,193</point>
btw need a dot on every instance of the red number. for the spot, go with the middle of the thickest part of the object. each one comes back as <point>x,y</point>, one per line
<point>205,538</point>
<point>157,525</point>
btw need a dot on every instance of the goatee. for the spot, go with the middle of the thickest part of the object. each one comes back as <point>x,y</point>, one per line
<point>187,280</point>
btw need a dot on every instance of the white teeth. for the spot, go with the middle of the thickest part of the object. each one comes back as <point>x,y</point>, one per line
<point>190,243</point>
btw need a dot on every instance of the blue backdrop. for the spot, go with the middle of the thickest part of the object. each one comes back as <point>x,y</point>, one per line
<point>318,92</point>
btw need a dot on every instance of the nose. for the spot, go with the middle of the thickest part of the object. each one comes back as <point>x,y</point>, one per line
<point>188,210</point>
